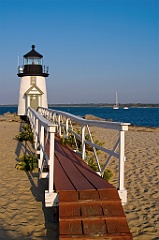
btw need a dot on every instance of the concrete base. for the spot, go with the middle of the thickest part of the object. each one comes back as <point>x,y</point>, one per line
<point>51,199</point>
<point>44,175</point>
<point>123,196</point>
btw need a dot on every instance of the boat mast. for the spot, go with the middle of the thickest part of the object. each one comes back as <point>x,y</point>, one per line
<point>117,99</point>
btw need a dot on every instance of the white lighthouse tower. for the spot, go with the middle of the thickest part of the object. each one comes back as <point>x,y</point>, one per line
<point>33,82</point>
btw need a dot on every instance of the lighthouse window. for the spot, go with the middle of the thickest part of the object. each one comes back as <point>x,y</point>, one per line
<point>32,61</point>
<point>33,81</point>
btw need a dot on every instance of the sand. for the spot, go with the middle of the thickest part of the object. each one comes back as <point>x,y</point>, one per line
<point>22,211</point>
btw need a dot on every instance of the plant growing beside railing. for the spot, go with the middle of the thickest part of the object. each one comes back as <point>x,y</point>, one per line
<point>108,174</point>
<point>27,162</point>
<point>70,140</point>
<point>25,134</point>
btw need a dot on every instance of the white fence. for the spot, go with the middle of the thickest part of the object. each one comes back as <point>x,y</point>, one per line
<point>65,122</point>
<point>44,131</point>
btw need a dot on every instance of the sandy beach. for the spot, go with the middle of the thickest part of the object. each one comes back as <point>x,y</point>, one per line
<point>22,211</point>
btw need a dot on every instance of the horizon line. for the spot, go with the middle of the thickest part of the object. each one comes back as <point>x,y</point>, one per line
<point>108,104</point>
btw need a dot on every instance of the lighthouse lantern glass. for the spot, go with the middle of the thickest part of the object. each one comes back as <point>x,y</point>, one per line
<point>32,60</point>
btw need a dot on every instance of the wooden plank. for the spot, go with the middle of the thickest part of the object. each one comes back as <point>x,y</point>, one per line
<point>109,194</point>
<point>86,171</point>
<point>71,227</point>
<point>62,182</point>
<point>74,175</point>
<point>117,225</point>
<point>68,196</point>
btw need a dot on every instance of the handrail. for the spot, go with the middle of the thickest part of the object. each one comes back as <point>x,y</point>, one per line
<point>62,119</point>
<point>103,124</point>
<point>44,132</point>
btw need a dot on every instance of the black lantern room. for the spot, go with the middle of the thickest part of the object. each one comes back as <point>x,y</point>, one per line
<point>33,65</point>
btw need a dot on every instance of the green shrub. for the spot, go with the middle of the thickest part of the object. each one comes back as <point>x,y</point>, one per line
<point>69,140</point>
<point>92,164</point>
<point>26,134</point>
<point>108,174</point>
<point>27,162</point>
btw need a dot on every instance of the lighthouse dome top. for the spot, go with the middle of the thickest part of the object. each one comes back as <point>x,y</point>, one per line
<point>33,53</point>
<point>33,65</point>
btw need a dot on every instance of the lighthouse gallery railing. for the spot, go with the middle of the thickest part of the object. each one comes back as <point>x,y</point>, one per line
<point>62,122</point>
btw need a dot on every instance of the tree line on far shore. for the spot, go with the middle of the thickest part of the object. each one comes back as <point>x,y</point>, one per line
<point>106,105</point>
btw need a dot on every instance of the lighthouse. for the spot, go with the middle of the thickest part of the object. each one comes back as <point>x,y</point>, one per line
<point>33,75</point>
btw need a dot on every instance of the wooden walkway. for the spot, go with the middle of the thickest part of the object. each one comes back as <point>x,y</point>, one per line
<point>89,207</point>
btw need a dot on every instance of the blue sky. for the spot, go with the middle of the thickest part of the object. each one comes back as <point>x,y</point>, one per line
<point>93,48</point>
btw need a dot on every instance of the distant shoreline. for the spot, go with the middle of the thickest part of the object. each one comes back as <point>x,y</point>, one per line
<point>90,116</point>
<point>129,105</point>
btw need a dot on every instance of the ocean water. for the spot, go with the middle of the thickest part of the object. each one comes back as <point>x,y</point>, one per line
<point>146,117</point>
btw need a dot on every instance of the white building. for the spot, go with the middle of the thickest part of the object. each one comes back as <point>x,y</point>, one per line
<point>33,75</point>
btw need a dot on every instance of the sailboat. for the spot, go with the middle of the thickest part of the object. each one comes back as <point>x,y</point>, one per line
<point>116,106</point>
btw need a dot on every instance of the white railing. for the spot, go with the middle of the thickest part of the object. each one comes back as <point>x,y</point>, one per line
<point>65,123</point>
<point>45,69</point>
<point>44,132</point>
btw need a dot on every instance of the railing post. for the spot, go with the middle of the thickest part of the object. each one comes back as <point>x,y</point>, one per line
<point>54,117</point>
<point>36,133</point>
<point>52,131</point>
<point>51,197</point>
<point>59,124</point>
<point>67,127</point>
<point>121,161</point>
<point>121,190</point>
<point>41,146</point>
<point>47,114</point>
<point>83,141</point>
<point>50,116</point>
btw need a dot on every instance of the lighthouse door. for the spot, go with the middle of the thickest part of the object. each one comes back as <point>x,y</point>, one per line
<point>34,101</point>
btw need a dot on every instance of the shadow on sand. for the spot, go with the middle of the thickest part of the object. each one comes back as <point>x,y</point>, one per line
<point>38,187</point>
